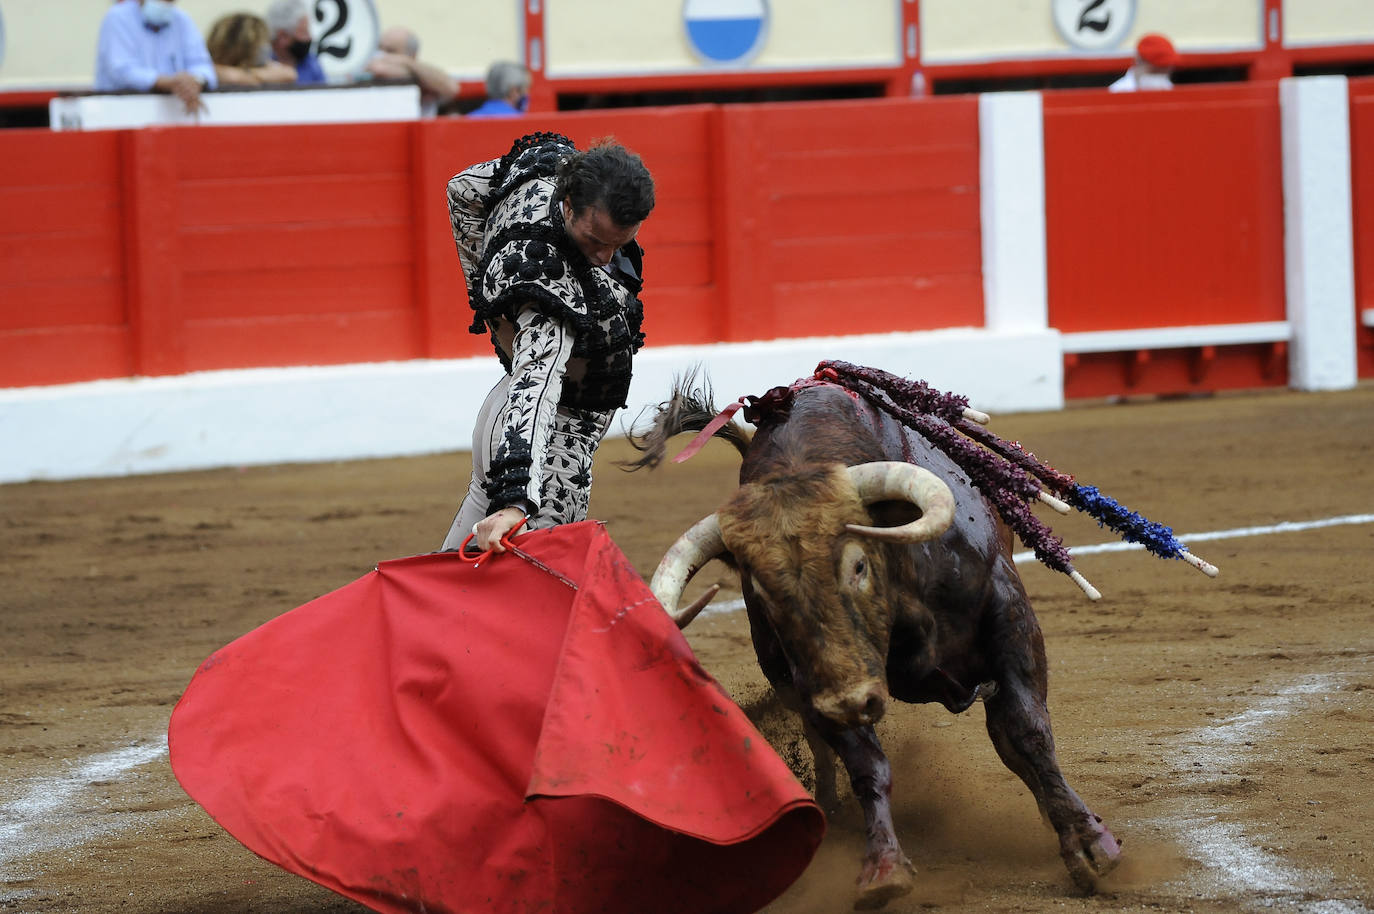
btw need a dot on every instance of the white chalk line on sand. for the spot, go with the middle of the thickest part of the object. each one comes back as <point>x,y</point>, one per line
<point>1236,866</point>
<point>1245,866</point>
<point>1236,533</point>
<point>41,817</point>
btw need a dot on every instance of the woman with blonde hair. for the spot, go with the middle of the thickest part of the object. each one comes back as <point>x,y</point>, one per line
<point>240,47</point>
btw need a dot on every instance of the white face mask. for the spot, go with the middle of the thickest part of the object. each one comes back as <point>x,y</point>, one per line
<point>157,13</point>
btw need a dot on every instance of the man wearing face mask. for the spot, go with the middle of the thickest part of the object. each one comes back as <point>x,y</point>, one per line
<point>289,22</point>
<point>546,237</point>
<point>508,91</point>
<point>151,46</point>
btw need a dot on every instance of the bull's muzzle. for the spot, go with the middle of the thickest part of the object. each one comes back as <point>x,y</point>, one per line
<point>860,706</point>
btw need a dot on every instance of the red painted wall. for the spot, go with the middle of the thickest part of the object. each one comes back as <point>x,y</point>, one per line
<point>162,251</point>
<point>1362,204</point>
<point>1165,209</point>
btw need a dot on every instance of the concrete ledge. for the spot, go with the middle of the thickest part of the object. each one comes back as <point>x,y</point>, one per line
<point>343,412</point>
<point>1176,337</point>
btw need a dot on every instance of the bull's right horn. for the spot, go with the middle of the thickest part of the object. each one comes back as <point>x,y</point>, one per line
<point>684,559</point>
<point>897,480</point>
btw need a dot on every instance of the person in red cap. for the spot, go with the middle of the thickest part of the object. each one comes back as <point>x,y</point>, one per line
<point>1155,58</point>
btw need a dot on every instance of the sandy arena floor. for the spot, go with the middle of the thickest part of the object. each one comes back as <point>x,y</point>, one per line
<point>1221,727</point>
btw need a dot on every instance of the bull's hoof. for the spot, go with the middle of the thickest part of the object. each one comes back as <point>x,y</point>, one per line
<point>884,879</point>
<point>1094,856</point>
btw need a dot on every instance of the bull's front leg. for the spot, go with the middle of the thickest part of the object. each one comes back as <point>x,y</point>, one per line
<point>823,763</point>
<point>1019,723</point>
<point>886,873</point>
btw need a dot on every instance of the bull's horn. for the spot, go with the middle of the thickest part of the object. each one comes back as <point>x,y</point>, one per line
<point>899,481</point>
<point>683,559</point>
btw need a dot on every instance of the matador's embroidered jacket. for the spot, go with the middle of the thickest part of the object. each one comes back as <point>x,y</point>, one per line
<point>565,330</point>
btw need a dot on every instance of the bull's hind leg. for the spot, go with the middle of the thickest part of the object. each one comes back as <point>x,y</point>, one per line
<point>1018,721</point>
<point>886,873</point>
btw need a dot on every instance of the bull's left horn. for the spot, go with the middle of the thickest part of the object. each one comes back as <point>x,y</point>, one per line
<point>683,559</point>
<point>896,480</point>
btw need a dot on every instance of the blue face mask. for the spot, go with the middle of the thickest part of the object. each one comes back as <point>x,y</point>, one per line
<point>157,13</point>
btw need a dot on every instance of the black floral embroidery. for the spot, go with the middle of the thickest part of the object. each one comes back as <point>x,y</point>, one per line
<point>529,261</point>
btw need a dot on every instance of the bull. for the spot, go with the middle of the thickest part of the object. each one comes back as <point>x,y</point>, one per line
<point>873,568</point>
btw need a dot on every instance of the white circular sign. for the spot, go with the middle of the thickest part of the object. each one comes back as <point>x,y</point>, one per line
<point>725,31</point>
<point>1093,25</point>
<point>345,34</point>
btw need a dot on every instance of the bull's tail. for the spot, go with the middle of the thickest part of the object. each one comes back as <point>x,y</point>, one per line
<point>689,408</point>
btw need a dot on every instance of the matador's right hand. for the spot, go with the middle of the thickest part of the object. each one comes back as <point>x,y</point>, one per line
<point>489,531</point>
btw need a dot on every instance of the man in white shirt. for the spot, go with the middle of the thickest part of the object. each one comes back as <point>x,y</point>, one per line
<point>151,46</point>
<point>1155,59</point>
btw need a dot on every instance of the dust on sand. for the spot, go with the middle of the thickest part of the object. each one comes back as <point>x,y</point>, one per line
<point>1222,728</point>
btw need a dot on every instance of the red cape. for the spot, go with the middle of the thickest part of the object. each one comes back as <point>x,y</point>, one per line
<point>508,738</point>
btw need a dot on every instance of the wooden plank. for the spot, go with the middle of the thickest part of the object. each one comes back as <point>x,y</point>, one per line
<point>64,356</point>
<point>87,254</point>
<point>303,246</point>
<point>877,305</point>
<point>324,339</point>
<point>851,256</point>
<point>154,261</point>
<point>63,303</point>
<point>821,215</point>
<point>894,169</point>
<point>686,264</point>
<point>262,201</point>
<point>41,158</point>
<point>681,220</point>
<point>1362,188</point>
<point>861,125</point>
<point>301,150</point>
<point>680,315</point>
<point>250,294</point>
<point>40,210</point>
<point>1159,213</point>
<point>741,223</point>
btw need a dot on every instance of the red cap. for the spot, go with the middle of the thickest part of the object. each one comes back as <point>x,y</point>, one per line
<point>1157,51</point>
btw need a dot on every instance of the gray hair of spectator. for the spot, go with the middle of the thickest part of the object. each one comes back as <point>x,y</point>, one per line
<point>505,75</point>
<point>282,15</point>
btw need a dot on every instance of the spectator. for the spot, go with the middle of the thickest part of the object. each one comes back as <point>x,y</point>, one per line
<point>151,46</point>
<point>240,47</point>
<point>398,57</point>
<point>508,91</point>
<point>289,22</point>
<point>1155,59</point>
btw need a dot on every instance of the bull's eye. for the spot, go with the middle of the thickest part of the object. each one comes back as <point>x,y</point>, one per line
<point>854,575</point>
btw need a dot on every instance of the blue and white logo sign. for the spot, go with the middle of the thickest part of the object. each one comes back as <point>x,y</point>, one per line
<point>725,31</point>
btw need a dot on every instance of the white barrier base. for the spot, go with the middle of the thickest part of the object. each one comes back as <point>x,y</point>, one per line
<point>392,409</point>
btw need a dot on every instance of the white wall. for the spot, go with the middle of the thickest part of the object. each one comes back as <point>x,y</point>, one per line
<point>286,415</point>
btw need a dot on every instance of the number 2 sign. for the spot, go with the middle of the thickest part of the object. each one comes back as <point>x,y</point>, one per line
<point>1093,25</point>
<point>345,34</point>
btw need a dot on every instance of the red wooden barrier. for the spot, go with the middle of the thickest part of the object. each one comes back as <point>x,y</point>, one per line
<point>1165,209</point>
<point>855,218</point>
<point>1362,204</point>
<point>63,313</point>
<point>162,251</point>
